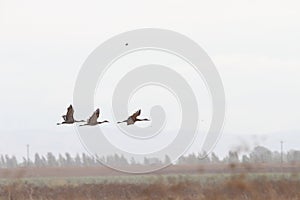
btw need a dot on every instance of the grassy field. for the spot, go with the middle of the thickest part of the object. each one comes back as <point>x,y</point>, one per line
<point>169,186</point>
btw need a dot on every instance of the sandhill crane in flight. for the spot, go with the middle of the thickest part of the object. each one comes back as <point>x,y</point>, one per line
<point>133,118</point>
<point>92,121</point>
<point>68,118</point>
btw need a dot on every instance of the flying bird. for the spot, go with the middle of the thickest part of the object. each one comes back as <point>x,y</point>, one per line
<point>68,118</point>
<point>92,121</point>
<point>133,118</point>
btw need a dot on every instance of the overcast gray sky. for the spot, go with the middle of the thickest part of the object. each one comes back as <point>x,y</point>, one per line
<point>254,44</point>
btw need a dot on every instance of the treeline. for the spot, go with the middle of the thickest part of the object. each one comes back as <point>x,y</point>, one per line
<point>258,155</point>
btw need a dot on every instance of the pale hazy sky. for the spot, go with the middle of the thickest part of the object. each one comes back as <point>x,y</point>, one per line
<point>254,44</point>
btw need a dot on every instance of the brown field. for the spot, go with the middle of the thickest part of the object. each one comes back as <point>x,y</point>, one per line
<point>174,183</point>
<point>174,169</point>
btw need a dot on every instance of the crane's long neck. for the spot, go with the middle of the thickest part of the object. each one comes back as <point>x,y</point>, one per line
<point>142,119</point>
<point>105,121</point>
<point>79,121</point>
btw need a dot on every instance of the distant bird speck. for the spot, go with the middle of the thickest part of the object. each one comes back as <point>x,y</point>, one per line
<point>133,118</point>
<point>69,118</point>
<point>92,121</point>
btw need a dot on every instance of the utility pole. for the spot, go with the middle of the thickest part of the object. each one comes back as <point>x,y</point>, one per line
<point>281,152</point>
<point>27,154</point>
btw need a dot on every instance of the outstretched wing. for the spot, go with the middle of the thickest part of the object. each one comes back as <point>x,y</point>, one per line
<point>94,117</point>
<point>69,115</point>
<point>136,114</point>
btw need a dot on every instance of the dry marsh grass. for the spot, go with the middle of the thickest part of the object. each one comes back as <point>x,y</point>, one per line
<point>177,187</point>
